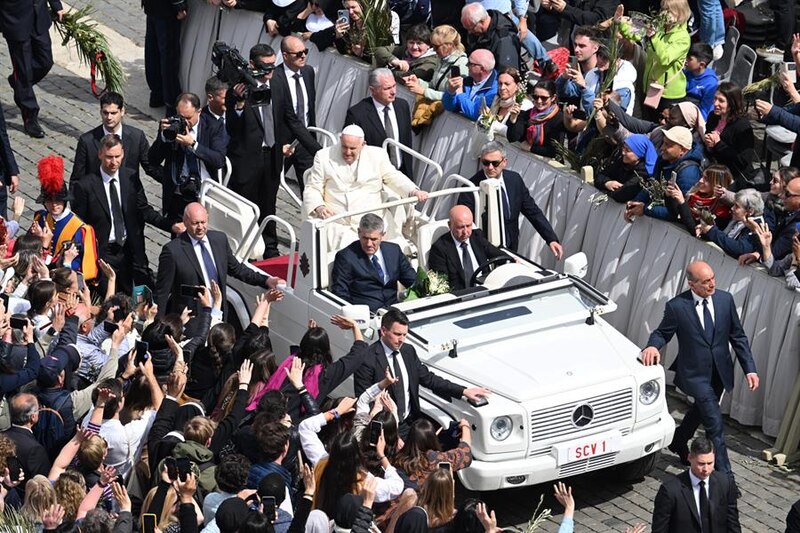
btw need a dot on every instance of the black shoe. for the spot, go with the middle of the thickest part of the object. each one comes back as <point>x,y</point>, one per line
<point>271,253</point>
<point>33,128</point>
<point>682,451</point>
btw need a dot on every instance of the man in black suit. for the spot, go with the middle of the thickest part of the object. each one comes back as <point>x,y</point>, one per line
<point>516,199</point>
<point>188,157</point>
<point>699,500</point>
<point>367,271</point>
<point>401,359</point>
<point>262,124</point>
<point>197,257</point>
<point>9,171</point>
<point>381,115</point>
<point>24,412</point>
<point>26,27</point>
<point>458,253</point>
<point>112,200</point>
<point>134,142</point>
<point>162,50</point>
<point>297,78</point>
<point>706,323</point>
<point>216,93</point>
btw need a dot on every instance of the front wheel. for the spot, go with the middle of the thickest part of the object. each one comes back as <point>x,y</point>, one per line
<point>638,469</point>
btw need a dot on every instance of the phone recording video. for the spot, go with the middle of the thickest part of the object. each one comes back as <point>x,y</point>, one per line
<point>184,468</point>
<point>375,430</point>
<point>109,327</point>
<point>142,349</point>
<point>148,523</point>
<point>172,468</point>
<point>191,291</point>
<point>268,503</point>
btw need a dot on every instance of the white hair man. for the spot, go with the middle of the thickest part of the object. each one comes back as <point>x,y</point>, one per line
<point>350,176</point>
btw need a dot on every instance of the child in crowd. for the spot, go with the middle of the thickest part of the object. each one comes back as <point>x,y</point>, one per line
<point>701,81</point>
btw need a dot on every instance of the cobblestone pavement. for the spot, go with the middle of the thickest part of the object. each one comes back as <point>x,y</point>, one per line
<point>603,503</point>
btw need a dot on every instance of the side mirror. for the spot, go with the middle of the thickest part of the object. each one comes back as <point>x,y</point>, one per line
<point>576,265</point>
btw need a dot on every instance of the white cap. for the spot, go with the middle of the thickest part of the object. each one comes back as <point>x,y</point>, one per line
<point>353,131</point>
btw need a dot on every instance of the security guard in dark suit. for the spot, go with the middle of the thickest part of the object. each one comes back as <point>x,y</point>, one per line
<point>25,25</point>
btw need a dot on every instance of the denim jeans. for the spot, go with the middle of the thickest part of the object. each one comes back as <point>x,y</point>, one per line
<point>712,26</point>
<point>532,43</point>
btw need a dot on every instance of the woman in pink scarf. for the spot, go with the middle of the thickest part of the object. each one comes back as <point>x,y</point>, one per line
<point>321,374</point>
<point>545,122</point>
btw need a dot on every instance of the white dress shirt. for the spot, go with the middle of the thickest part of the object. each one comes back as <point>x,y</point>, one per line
<point>292,90</point>
<point>696,490</point>
<point>393,118</point>
<point>403,378</point>
<point>195,133</point>
<point>118,131</point>
<point>461,256</point>
<point>107,186</point>
<point>698,307</point>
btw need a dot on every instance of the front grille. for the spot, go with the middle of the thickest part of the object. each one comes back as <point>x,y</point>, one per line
<point>586,465</point>
<point>556,422</point>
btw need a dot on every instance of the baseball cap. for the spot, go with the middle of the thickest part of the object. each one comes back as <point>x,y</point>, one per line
<point>680,135</point>
<point>62,358</point>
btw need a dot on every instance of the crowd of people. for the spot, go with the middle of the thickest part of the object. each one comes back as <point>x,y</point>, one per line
<point>129,402</point>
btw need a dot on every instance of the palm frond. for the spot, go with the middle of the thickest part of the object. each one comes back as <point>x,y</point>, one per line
<point>377,29</point>
<point>92,46</point>
<point>539,517</point>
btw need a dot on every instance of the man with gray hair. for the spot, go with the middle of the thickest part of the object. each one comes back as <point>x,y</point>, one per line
<point>465,95</point>
<point>24,411</point>
<point>517,199</point>
<point>349,176</point>
<point>382,116</point>
<point>367,271</point>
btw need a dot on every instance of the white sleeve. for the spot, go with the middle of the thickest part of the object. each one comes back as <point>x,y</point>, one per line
<point>366,398</point>
<point>389,487</point>
<point>312,446</point>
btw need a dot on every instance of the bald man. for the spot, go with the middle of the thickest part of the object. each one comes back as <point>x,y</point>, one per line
<point>296,78</point>
<point>197,257</point>
<point>706,322</point>
<point>350,176</point>
<point>465,95</point>
<point>459,253</point>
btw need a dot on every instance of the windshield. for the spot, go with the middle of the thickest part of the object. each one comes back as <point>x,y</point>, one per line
<point>485,315</point>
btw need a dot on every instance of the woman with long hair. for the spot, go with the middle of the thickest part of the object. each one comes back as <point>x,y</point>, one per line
<point>543,123</point>
<point>437,497</point>
<point>138,399</point>
<point>39,496</point>
<point>206,365</point>
<point>70,489</point>
<point>446,42</point>
<point>666,53</point>
<point>510,103</point>
<point>422,453</point>
<point>729,138</point>
<point>704,196</point>
<point>342,472</point>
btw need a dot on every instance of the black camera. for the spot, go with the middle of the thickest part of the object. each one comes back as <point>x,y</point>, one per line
<point>177,126</point>
<point>189,187</point>
<point>232,68</point>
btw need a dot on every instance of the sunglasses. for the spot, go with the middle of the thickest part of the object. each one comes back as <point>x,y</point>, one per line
<point>488,163</point>
<point>540,97</point>
<point>300,53</point>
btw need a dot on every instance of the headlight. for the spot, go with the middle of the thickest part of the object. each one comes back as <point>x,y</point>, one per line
<point>649,391</point>
<point>501,428</point>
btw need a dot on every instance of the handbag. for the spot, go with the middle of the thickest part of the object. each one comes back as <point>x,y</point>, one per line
<point>655,91</point>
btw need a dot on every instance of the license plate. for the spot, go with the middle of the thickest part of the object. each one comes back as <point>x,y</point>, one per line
<point>587,447</point>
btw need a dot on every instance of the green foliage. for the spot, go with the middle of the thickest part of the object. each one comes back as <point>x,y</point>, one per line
<point>377,28</point>
<point>11,521</point>
<point>88,41</point>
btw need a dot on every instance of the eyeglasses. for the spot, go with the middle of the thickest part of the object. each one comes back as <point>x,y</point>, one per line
<point>471,64</point>
<point>537,97</point>
<point>299,53</point>
<point>787,194</point>
<point>488,163</point>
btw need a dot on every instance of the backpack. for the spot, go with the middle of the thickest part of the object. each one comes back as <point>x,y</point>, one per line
<point>49,430</point>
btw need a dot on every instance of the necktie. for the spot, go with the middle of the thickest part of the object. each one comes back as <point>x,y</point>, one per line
<point>467,262</point>
<point>378,268</point>
<point>708,322</point>
<point>399,387</point>
<point>301,103</point>
<point>192,164</point>
<point>265,111</point>
<point>211,269</point>
<point>116,213</point>
<point>387,125</point>
<point>506,206</point>
<point>705,510</point>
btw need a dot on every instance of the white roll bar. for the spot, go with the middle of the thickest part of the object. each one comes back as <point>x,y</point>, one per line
<point>289,191</point>
<point>328,136</point>
<point>458,178</point>
<point>292,245</point>
<point>437,168</point>
<point>226,177</point>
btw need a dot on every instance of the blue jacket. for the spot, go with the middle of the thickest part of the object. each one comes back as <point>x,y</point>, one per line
<point>702,87</point>
<point>688,176</point>
<point>468,103</point>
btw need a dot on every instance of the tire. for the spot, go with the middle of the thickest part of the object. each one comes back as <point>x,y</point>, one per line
<point>638,469</point>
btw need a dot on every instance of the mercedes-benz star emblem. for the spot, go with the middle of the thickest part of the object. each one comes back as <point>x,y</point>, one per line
<point>582,415</point>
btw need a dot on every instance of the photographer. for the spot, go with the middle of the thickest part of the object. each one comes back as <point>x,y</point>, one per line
<point>191,146</point>
<point>261,122</point>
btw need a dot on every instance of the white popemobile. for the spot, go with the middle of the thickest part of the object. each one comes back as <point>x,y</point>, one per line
<point>569,394</point>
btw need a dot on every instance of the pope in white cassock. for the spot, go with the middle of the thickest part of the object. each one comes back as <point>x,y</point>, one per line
<point>350,176</point>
